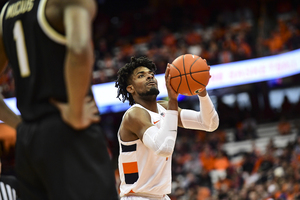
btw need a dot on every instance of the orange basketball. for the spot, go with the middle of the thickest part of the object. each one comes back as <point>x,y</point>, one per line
<point>189,74</point>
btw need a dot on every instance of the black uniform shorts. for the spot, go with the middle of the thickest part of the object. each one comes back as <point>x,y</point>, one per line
<point>55,162</point>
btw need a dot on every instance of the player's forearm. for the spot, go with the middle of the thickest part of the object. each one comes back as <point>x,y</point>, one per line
<point>208,113</point>
<point>8,116</point>
<point>78,78</point>
<point>162,140</point>
<point>207,119</point>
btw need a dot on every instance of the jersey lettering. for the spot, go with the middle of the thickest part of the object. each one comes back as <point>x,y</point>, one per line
<point>18,8</point>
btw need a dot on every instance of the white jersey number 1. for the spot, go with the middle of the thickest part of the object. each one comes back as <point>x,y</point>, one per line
<point>21,49</point>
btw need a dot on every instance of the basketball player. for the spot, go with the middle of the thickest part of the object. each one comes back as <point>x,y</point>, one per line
<point>148,130</point>
<point>60,150</point>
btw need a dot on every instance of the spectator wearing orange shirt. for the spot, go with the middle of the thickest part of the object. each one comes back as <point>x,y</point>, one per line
<point>207,158</point>
<point>221,163</point>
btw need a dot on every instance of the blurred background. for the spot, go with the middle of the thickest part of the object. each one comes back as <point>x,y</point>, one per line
<point>255,152</point>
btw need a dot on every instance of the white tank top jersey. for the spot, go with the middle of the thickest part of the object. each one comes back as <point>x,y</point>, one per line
<point>141,170</point>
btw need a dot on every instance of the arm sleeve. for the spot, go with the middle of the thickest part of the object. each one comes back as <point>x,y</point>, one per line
<point>162,140</point>
<point>206,119</point>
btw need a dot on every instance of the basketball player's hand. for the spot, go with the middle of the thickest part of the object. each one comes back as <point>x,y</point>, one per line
<point>171,92</point>
<point>90,114</point>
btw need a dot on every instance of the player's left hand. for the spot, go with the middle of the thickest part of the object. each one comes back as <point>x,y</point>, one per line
<point>204,92</point>
<point>90,114</point>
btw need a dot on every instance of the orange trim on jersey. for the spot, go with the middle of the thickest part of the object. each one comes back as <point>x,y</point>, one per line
<point>130,168</point>
<point>131,191</point>
<point>156,122</point>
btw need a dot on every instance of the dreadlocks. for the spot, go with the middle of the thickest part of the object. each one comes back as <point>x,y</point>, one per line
<point>124,74</point>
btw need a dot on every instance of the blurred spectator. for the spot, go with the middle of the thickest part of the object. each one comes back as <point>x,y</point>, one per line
<point>264,163</point>
<point>223,183</point>
<point>192,164</point>
<point>248,163</point>
<point>294,41</point>
<point>239,132</point>
<point>221,163</point>
<point>225,55</point>
<point>203,193</point>
<point>274,43</point>
<point>204,180</point>
<point>244,50</point>
<point>222,187</point>
<point>284,126</point>
<point>207,158</point>
<point>285,106</point>
<point>249,127</point>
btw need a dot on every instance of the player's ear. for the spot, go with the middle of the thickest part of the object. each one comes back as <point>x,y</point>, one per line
<point>130,89</point>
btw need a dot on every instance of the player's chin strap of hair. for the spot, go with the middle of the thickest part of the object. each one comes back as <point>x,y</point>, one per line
<point>162,140</point>
<point>207,119</point>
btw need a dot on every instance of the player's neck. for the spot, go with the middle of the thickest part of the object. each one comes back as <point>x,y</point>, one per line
<point>148,104</point>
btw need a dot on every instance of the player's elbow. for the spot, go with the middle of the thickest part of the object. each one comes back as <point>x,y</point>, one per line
<point>164,153</point>
<point>214,125</point>
<point>213,128</point>
<point>166,148</point>
<point>81,55</point>
<point>79,48</point>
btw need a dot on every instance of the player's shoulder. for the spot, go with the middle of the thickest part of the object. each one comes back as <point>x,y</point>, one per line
<point>135,114</point>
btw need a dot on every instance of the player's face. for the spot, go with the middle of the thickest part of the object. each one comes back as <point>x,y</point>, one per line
<point>144,82</point>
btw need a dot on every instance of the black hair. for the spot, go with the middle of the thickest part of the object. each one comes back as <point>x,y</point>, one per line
<point>124,76</point>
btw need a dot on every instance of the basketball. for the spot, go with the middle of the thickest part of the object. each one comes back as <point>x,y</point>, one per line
<point>189,74</point>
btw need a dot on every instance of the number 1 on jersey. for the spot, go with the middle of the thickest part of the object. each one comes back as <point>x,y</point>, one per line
<point>21,49</point>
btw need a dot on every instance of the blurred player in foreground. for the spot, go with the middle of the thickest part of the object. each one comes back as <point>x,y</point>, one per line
<point>60,150</point>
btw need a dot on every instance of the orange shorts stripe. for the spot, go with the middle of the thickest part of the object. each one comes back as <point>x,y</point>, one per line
<point>130,168</point>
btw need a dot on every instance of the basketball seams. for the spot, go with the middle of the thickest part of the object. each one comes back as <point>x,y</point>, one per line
<point>197,81</point>
<point>177,76</point>
<point>192,65</point>
<point>187,83</point>
<point>190,73</point>
<point>196,72</point>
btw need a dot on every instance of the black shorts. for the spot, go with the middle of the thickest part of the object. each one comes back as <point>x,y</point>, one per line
<point>55,162</point>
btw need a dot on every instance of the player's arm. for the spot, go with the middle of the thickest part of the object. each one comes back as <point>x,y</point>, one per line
<point>206,119</point>
<point>78,16</point>
<point>164,104</point>
<point>6,114</point>
<point>160,140</point>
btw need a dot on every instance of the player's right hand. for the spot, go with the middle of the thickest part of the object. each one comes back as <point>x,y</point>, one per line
<point>171,92</point>
<point>89,114</point>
